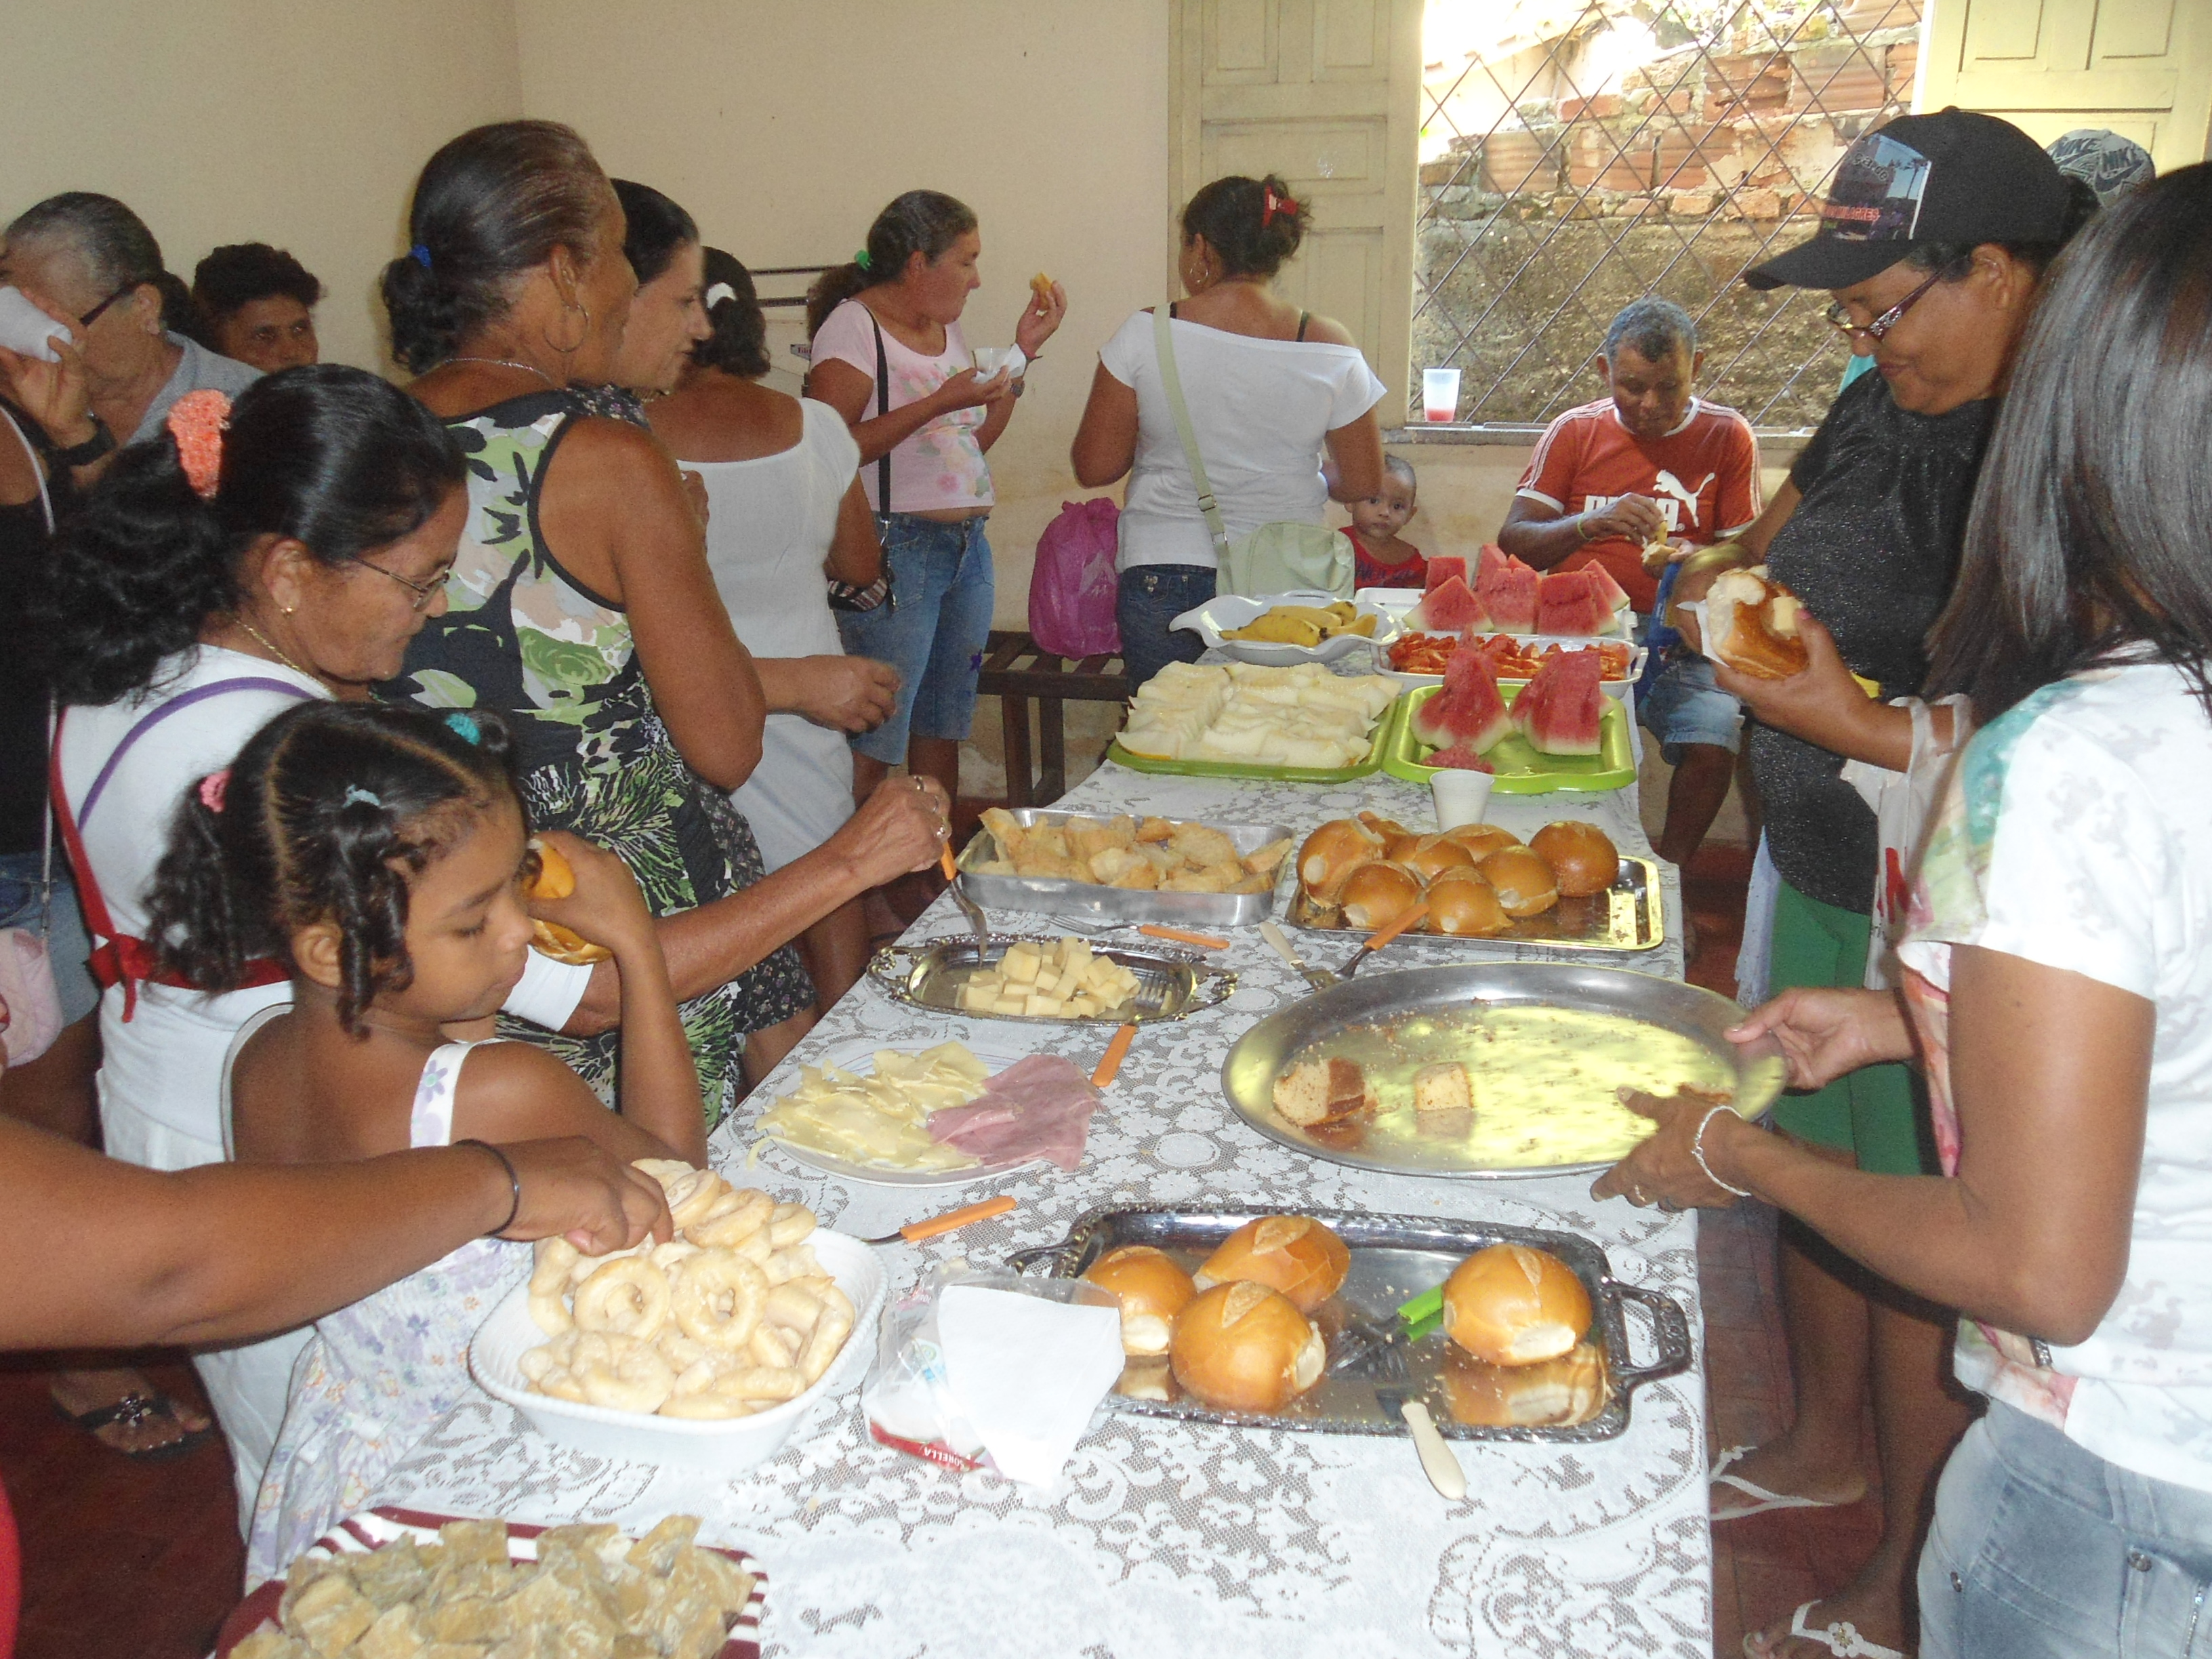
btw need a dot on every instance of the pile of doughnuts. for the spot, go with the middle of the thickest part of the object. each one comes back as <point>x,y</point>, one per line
<point>732,1315</point>
<point>1478,879</point>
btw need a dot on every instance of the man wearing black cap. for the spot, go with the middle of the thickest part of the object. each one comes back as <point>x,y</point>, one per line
<point>1933,243</point>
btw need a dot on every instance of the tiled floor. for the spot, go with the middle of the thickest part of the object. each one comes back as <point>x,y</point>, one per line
<point>126,1560</point>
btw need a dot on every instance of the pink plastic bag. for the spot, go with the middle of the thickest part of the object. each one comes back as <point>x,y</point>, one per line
<point>1072,590</point>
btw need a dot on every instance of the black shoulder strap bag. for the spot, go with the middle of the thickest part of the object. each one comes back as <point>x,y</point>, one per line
<point>843,596</point>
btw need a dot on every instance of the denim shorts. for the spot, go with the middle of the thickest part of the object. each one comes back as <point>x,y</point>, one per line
<point>1681,705</point>
<point>69,948</point>
<point>934,633</point>
<point>2041,1548</point>
<point>1150,597</point>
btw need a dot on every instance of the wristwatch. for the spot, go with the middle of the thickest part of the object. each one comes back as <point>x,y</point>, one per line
<point>101,442</point>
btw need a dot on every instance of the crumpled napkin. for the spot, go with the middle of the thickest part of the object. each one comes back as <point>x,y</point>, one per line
<point>1027,1373</point>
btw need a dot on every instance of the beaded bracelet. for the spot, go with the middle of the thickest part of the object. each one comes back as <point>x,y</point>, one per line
<point>514,1180</point>
<point>1697,1151</point>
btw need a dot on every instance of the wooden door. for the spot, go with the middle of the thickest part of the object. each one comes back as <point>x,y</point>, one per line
<point>1325,94</point>
<point>2142,68</point>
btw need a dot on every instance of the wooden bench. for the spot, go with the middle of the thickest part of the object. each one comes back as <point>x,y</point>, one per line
<point>1014,671</point>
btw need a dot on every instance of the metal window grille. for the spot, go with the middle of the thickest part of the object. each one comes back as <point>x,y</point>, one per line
<point>1582,154</point>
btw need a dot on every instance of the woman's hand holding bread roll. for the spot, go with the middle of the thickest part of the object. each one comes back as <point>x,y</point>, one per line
<point>1822,703</point>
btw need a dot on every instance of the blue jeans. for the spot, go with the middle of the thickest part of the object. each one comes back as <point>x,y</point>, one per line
<point>1150,597</point>
<point>1681,705</point>
<point>934,633</point>
<point>69,948</point>
<point>2041,1549</point>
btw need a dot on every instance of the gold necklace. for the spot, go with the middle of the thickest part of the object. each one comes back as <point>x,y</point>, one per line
<point>274,650</point>
<point>509,362</point>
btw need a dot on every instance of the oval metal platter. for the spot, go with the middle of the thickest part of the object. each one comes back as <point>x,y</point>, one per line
<point>1171,984</point>
<point>1546,1045</point>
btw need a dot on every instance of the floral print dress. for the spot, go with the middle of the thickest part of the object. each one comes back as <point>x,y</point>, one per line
<point>377,1375</point>
<point>524,637</point>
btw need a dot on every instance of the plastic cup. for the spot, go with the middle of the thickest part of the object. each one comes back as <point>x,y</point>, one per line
<point>1462,796</point>
<point>1440,394</point>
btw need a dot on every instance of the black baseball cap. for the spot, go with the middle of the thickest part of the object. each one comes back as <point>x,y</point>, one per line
<point>1955,176</point>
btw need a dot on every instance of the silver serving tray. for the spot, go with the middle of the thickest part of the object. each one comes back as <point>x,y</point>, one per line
<point>1169,983</point>
<point>1394,1141</point>
<point>1394,1259</point>
<point>1057,896</point>
<point>1628,916</point>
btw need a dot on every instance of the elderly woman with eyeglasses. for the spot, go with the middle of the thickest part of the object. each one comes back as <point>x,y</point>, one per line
<point>89,261</point>
<point>1934,245</point>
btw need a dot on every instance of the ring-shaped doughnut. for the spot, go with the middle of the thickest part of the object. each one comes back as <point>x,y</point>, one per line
<point>762,1382</point>
<point>561,1383</point>
<point>796,1263</point>
<point>717,1298</point>
<point>549,1311</point>
<point>546,1356</point>
<point>691,1195</point>
<point>667,1256</point>
<point>730,1228</point>
<point>627,1298</point>
<point>789,1224</point>
<point>551,1262</point>
<point>637,1380</point>
<point>792,1306</point>
<point>774,1346</point>
<point>827,1340</point>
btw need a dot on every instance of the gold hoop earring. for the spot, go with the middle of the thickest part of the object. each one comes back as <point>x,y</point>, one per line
<point>582,334</point>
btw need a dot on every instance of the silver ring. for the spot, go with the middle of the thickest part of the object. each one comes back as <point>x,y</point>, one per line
<point>1638,1197</point>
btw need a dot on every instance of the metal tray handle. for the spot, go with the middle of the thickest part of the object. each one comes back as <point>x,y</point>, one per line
<point>1671,1329</point>
<point>1021,1261</point>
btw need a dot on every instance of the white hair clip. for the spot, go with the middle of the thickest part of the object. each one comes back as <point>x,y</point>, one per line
<point>719,292</point>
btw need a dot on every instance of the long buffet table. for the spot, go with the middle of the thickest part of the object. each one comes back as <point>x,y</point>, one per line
<point>1166,1538</point>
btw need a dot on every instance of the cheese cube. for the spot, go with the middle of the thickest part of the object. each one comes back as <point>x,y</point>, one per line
<point>1020,964</point>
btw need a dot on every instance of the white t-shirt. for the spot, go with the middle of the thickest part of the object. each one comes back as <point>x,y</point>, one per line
<point>769,524</point>
<point>941,466</point>
<point>1260,409</point>
<point>2077,833</point>
<point>166,1061</point>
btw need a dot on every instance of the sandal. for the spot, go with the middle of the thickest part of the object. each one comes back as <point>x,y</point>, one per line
<point>1841,1639</point>
<point>1764,1500</point>
<point>131,1411</point>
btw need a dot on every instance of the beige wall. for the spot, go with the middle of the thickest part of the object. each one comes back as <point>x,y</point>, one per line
<point>784,125</point>
<point>254,120</point>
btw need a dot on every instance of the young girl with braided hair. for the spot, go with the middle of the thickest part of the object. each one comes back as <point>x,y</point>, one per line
<point>383,856</point>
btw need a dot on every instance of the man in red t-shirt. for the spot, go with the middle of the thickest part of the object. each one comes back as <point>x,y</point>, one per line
<point>1651,463</point>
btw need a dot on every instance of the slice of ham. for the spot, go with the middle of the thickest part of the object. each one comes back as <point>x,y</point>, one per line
<point>1039,1107</point>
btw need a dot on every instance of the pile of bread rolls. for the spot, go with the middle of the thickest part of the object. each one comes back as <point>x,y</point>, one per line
<point>1517,1318</point>
<point>1478,879</point>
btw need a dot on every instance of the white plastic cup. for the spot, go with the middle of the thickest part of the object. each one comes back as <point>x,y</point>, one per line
<point>1440,394</point>
<point>1462,796</point>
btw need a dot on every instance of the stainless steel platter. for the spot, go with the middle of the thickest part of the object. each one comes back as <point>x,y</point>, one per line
<point>1170,983</point>
<point>1394,1259</point>
<point>1546,1045</point>
<point>1626,917</point>
<point>1056,895</point>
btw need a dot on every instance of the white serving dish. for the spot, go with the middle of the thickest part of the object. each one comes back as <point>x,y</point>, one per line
<point>1230,610</point>
<point>858,1057</point>
<point>1395,602</point>
<point>729,1446</point>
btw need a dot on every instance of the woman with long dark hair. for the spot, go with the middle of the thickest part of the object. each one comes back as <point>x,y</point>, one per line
<point>896,305</point>
<point>2058,976</point>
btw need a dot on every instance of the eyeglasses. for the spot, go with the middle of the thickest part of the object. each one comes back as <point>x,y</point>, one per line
<point>93,315</point>
<point>1840,320</point>
<point>423,591</point>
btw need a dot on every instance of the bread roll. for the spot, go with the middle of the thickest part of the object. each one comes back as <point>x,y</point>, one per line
<point>1293,1253</point>
<point>1374,894</point>
<point>1751,624</point>
<point>1581,855</point>
<point>1243,1347</point>
<point>1511,1305</point>
<point>1322,1091</point>
<point>1443,1087</point>
<point>1333,852</point>
<point>1482,839</point>
<point>1525,883</point>
<point>1152,1290</point>
<point>1555,1393</point>
<point>1431,855</point>
<point>556,879</point>
<point>1464,905</point>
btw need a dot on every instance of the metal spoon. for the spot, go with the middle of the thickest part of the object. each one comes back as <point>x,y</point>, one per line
<point>973,911</point>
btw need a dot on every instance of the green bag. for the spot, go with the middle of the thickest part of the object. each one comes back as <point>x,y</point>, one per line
<point>1282,557</point>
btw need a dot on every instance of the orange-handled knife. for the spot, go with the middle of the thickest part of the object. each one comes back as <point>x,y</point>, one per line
<point>915,1231</point>
<point>1116,1051</point>
<point>1203,941</point>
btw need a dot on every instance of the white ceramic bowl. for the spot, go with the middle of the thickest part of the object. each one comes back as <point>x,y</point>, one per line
<point>1209,621</point>
<point>727,1446</point>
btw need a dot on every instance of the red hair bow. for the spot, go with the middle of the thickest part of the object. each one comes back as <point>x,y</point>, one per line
<point>1271,204</point>
<point>197,420</point>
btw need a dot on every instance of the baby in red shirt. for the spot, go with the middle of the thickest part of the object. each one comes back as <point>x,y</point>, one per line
<point>1379,558</point>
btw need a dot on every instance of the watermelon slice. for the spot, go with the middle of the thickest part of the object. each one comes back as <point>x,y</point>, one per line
<point>1449,608</point>
<point>1443,568</point>
<point>1615,595</point>
<point>1561,709</point>
<point>1570,603</point>
<point>1467,711</point>
<point>1491,559</point>
<point>1507,592</point>
<point>1461,758</point>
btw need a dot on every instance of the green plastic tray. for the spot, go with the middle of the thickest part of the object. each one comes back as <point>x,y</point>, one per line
<point>1195,769</point>
<point>1521,770</point>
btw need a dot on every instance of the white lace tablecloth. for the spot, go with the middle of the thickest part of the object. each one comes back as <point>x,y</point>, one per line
<point>1165,1539</point>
